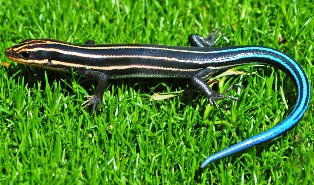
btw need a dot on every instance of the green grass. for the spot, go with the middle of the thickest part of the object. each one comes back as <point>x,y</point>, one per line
<point>48,137</point>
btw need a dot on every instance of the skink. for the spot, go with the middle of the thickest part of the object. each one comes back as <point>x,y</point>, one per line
<point>104,62</point>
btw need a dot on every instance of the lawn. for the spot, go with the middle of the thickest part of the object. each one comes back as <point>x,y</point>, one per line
<point>48,137</point>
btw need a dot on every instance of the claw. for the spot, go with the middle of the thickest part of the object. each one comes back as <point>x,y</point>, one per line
<point>210,40</point>
<point>92,102</point>
<point>220,96</point>
<point>231,87</point>
<point>212,101</point>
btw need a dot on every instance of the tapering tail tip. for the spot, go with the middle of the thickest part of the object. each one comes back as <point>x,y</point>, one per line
<point>206,162</point>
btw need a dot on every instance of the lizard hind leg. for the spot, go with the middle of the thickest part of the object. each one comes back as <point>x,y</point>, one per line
<point>199,82</point>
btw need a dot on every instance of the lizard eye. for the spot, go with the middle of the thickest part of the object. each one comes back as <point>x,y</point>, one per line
<point>25,54</point>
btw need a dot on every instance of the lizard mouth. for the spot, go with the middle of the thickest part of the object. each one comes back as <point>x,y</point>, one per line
<point>12,55</point>
<point>9,52</point>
